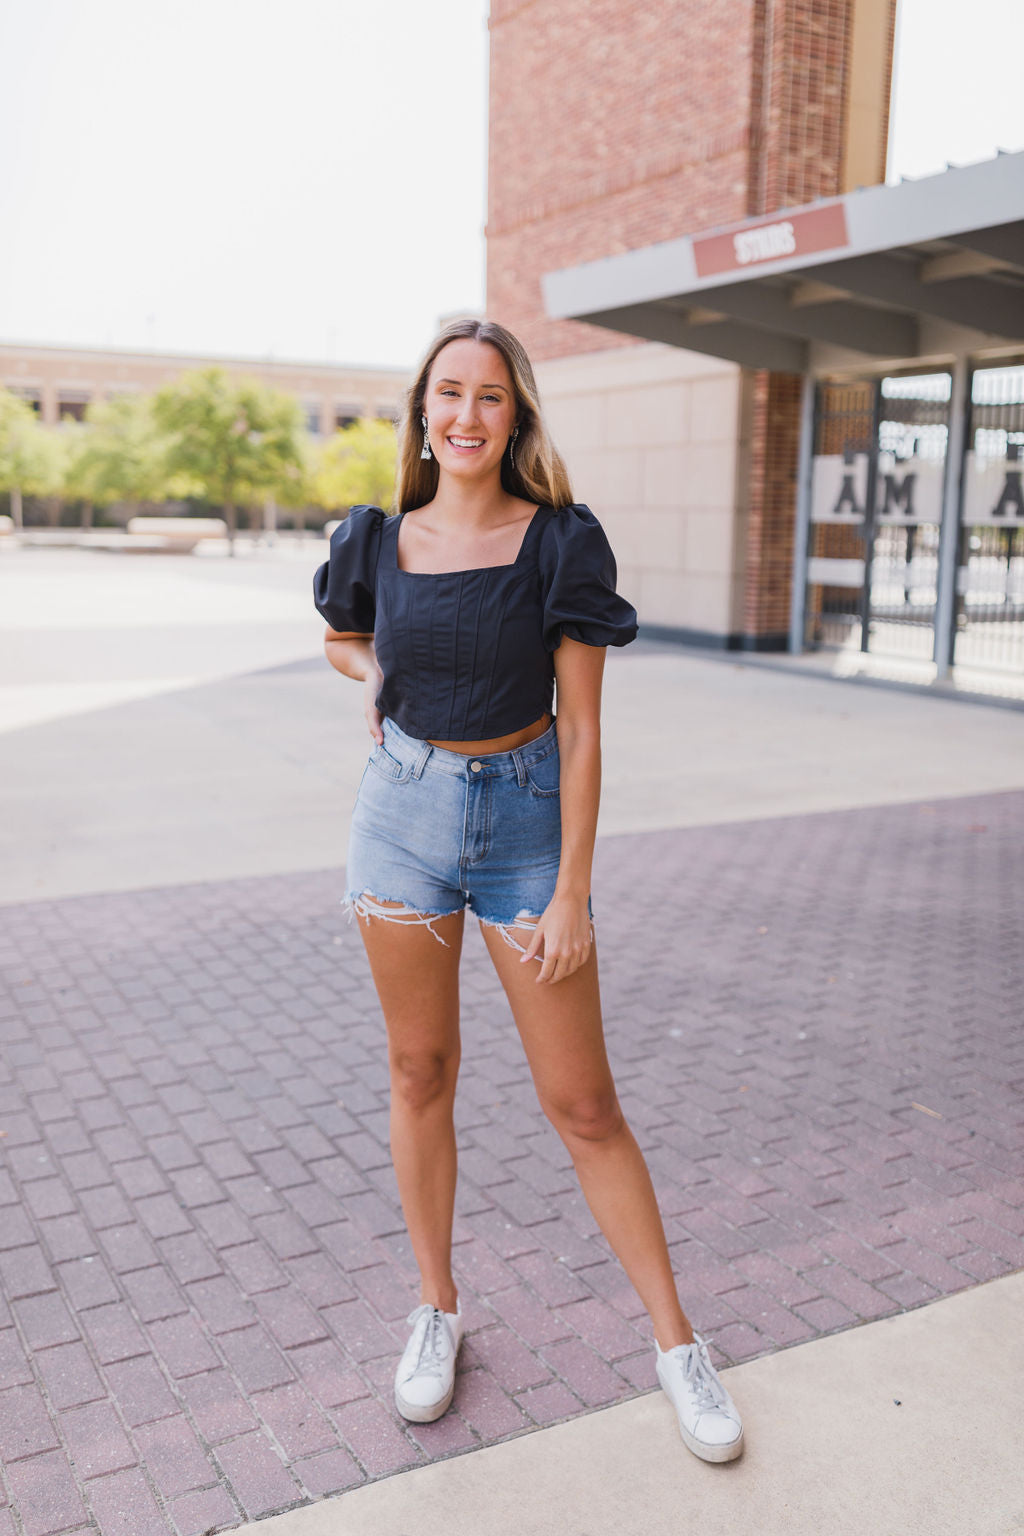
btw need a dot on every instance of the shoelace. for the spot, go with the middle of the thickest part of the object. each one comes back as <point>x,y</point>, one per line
<point>431,1355</point>
<point>700,1374</point>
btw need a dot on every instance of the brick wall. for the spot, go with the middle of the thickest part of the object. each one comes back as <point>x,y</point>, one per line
<point>799,90</point>
<point>775,428</point>
<point>613,124</point>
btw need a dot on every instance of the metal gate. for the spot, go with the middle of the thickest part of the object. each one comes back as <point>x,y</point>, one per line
<point>989,613</point>
<point>876,509</point>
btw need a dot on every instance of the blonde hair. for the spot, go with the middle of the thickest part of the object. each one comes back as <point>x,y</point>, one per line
<point>539,474</point>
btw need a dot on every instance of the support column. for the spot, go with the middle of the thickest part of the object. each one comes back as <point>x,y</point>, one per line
<point>949,537</point>
<point>768,574</point>
<point>48,412</point>
<point>804,461</point>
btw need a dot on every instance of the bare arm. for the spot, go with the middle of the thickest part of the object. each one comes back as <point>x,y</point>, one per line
<point>354,656</point>
<point>564,927</point>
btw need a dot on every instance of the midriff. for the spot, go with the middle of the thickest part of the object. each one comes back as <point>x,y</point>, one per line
<point>499,743</point>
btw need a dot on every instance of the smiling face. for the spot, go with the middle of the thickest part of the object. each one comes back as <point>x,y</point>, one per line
<point>470,408</point>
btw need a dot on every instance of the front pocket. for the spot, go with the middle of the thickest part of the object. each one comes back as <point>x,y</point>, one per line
<point>543,775</point>
<point>388,767</point>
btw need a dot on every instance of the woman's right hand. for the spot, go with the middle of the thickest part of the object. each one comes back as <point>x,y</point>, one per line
<point>371,688</point>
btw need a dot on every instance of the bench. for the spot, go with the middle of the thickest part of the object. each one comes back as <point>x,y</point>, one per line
<point>178,533</point>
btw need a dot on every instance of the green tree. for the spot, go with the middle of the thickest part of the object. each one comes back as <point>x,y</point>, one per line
<point>119,456</point>
<point>29,454</point>
<point>54,447</point>
<point>357,465</point>
<point>235,440</point>
<point>296,491</point>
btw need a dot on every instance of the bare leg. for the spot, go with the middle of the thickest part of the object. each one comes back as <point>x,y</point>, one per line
<point>417,981</point>
<point>561,1030</point>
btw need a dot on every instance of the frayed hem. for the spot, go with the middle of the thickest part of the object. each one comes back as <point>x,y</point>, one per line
<point>368,905</point>
<point>524,920</point>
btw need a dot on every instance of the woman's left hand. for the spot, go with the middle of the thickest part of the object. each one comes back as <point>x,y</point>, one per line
<point>565,933</point>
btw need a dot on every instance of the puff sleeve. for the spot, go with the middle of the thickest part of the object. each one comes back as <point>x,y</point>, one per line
<point>577,570</point>
<point>344,588</point>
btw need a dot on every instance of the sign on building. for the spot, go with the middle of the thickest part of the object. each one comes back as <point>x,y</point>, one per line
<point>908,491</point>
<point>771,239</point>
<point>993,492</point>
<point>839,487</point>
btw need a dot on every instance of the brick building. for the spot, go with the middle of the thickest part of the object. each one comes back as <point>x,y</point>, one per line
<point>616,125</point>
<point>59,382</point>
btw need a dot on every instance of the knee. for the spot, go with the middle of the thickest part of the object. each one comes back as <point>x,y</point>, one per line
<point>420,1078</point>
<point>587,1117</point>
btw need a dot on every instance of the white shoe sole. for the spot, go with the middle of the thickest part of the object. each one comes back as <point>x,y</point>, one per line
<point>420,1413</point>
<point>711,1452</point>
<point>700,1447</point>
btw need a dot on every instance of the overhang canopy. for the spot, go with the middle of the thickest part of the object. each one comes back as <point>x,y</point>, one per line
<point>883,273</point>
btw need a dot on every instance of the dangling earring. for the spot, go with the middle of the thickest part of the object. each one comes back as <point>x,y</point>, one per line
<point>511,447</point>
<point>425,450</point>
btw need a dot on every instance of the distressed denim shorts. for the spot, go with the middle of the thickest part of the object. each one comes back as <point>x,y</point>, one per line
<point>439,831</point>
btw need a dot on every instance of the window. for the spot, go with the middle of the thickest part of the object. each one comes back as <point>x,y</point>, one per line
<point>31,395</point>
<point>71,404</point>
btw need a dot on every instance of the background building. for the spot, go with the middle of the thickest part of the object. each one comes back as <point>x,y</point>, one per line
<point>616,126</point>
<point>59,382</point>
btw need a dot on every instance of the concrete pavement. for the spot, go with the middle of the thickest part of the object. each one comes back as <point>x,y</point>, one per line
<point>809,925</point>
<point>168,719</point>
<point>864,1433</point>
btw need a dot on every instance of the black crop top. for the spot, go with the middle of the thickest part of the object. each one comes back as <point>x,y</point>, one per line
<point>468,655</point>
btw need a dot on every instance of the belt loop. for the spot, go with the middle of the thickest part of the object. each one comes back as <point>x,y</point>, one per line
<point>517,758</point>
<point>422,760</point>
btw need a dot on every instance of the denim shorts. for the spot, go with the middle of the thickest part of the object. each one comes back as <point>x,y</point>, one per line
<point>440,831</point>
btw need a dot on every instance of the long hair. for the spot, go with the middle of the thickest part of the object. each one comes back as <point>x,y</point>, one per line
<point>539,474</point>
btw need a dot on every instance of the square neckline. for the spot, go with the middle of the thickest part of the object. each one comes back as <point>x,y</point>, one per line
<point>469,570</point>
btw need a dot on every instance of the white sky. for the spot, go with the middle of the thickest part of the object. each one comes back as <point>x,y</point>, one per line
<point>958,83</point>
<point>306,178</point>
<point>298,178</point>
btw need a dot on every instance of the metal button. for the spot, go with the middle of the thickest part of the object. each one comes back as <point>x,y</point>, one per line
<point>476,767</point>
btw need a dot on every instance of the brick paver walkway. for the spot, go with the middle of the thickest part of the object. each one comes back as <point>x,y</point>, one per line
<point>815,1023</point>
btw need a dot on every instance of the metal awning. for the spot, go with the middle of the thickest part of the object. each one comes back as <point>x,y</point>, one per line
<point>887,273</point>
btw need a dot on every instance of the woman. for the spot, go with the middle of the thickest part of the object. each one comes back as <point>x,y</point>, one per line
<point>461,616</point>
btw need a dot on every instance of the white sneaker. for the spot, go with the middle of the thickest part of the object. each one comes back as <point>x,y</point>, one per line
<point>708,1420</point>
<point>425,1379</point>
